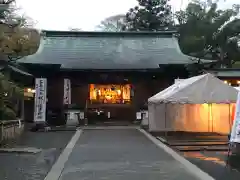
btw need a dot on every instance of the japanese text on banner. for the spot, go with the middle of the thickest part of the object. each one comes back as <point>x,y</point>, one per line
<point>40,100</point>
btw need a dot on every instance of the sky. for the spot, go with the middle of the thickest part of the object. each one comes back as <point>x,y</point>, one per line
<point>83,14</point>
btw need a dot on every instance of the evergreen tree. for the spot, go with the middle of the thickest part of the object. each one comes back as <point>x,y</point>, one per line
<point>149,15</point>
<point>208,32</point>
<point>112,24</point>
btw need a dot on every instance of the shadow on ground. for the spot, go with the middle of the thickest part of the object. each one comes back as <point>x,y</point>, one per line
<point>33,166</point>
<point>206,150</point>
<point>213,163</point>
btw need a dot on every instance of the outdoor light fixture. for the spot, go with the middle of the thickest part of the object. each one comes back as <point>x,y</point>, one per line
<point>29,90</point>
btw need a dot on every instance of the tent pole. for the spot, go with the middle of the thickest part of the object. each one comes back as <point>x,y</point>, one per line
<point>229,116</point>
<point>165,121</point>
<point>211,115</point>
<point>208,118</point>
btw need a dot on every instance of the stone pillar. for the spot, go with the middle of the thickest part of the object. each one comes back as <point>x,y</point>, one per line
<point>22,108</point>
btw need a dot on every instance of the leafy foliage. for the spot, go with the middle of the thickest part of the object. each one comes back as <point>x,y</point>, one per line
<point>17,38</point>
<point>150,15</point>
<point>18,42</point>
<point>208,32</point>
<point>10,95</point>
<point>113,24</point>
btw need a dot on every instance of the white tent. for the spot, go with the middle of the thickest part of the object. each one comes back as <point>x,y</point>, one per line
<point>198,104</point>
<point>237,88</point>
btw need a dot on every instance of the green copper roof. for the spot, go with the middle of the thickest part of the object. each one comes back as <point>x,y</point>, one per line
<point>108,50</point>
<point>224,73</point>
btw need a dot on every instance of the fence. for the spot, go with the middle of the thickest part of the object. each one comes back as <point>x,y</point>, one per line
<point>10,130</point>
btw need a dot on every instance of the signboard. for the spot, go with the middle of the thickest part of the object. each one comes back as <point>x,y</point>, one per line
<point>67,92</point>
<point>235,132</point>
<point>81,115</point>
<point>139,115</point>
<point>40,100</point>
<point>72,115</point>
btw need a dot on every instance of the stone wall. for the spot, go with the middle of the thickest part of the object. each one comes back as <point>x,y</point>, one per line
<point>10,130</point>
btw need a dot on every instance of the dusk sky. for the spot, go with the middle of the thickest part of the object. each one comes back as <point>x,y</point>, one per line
<point>86,15</point>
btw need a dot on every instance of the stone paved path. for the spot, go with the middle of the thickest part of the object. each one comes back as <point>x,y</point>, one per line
<point>30,166</point>
<point>120,154</point>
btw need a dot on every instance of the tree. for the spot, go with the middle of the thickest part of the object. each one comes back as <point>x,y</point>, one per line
<point>17,37</point>
<point>10,96</point>
<point>18,42</point>
<point>208,32</point>
<point>112,24</point>
<point>150,15</point>
<point>74,29</point>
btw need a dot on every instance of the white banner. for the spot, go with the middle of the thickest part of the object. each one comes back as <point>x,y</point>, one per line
<point>40,100</point>
<point>67,92</point>
<point>235,132</point>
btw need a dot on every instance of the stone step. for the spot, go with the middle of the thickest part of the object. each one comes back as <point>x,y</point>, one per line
<point>30,150</point>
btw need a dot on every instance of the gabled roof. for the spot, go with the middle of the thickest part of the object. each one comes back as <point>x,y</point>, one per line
<point>197,90</point>
<point>107,50</point>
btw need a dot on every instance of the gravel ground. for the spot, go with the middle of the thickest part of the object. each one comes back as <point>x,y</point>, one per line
<point>29,166</point>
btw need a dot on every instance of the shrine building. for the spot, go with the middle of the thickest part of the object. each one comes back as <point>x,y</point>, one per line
<point>112,72</point>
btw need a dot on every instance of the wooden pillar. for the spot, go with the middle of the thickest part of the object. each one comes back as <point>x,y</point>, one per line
<point>55,100</point>
<point>22,109</point>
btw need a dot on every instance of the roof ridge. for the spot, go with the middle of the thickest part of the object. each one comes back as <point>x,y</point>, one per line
<point>54,33</point>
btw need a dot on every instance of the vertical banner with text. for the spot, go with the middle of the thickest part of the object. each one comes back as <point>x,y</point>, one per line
<point>235,132</point>
<point>67,92</point>
<point>40,100</point>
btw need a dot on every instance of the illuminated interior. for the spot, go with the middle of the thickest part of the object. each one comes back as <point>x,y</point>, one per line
<point>232,82</point>
<point>217,118</point>
<point>110,94</point>
<point>29,92</point>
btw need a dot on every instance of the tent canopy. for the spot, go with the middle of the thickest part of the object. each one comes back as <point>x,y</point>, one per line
<point>237,88</point>
<point>197,90</point>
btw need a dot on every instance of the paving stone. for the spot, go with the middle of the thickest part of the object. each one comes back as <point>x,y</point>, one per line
<point>30,166</point>
<point>121,154</point>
